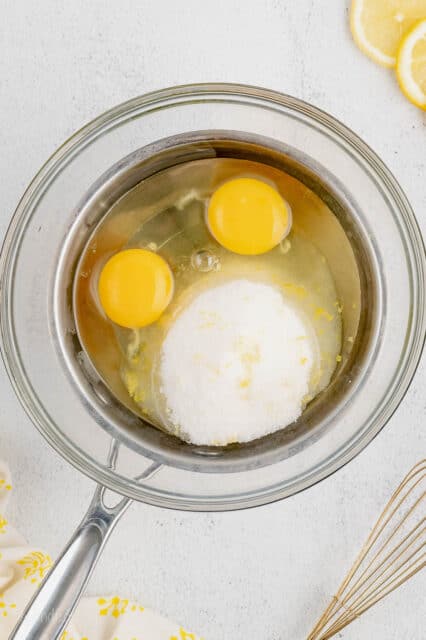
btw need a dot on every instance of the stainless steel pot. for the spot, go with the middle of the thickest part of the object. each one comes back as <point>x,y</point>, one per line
<point>372,244</point>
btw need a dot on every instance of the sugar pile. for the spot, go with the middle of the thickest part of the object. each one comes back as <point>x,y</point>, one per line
<point>235,364</point>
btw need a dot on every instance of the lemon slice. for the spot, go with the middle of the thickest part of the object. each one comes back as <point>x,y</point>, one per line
<point>411,65</point>
<point>379,25</point>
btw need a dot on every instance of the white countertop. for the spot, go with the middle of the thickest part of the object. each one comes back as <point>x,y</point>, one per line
<point>264,573</point>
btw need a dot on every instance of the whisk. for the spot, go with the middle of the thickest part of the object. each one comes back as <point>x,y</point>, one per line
<point>393,552</point>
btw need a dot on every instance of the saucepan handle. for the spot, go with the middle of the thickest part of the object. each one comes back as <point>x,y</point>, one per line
<point>51,607</point>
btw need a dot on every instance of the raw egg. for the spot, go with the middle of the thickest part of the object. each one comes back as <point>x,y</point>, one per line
<point>248,216</point>
<point>135,287</point>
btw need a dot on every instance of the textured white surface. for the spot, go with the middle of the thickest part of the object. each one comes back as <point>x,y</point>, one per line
<point>245,349</point>
<point>264,573</point>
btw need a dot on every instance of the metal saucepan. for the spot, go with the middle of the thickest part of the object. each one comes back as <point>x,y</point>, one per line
<point>355,213</point>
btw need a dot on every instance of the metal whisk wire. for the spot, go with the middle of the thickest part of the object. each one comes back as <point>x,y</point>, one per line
<point>393,552</point>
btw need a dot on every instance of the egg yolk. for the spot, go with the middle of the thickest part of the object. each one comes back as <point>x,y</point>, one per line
<point>248,216</point>
<point>135,287</point>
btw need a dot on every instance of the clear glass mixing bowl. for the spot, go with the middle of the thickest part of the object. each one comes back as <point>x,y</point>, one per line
<point>41,224</point>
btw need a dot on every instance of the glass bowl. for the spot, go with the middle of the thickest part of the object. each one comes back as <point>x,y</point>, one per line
<point>67,403</point>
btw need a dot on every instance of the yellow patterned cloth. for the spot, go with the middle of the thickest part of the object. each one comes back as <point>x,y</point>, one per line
<point>22,568</point>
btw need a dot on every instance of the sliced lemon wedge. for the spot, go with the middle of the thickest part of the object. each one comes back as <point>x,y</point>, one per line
<point>411,64</point>
<point>378,26</point>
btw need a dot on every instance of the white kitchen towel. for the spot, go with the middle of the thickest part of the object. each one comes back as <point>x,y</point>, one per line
<point>23,567</point>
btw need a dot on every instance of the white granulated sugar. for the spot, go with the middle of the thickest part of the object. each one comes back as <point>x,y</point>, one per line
<point>235,364</point>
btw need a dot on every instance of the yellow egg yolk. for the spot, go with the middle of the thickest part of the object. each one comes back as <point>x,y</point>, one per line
<point>135,287</point>
<point>248,216</point>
